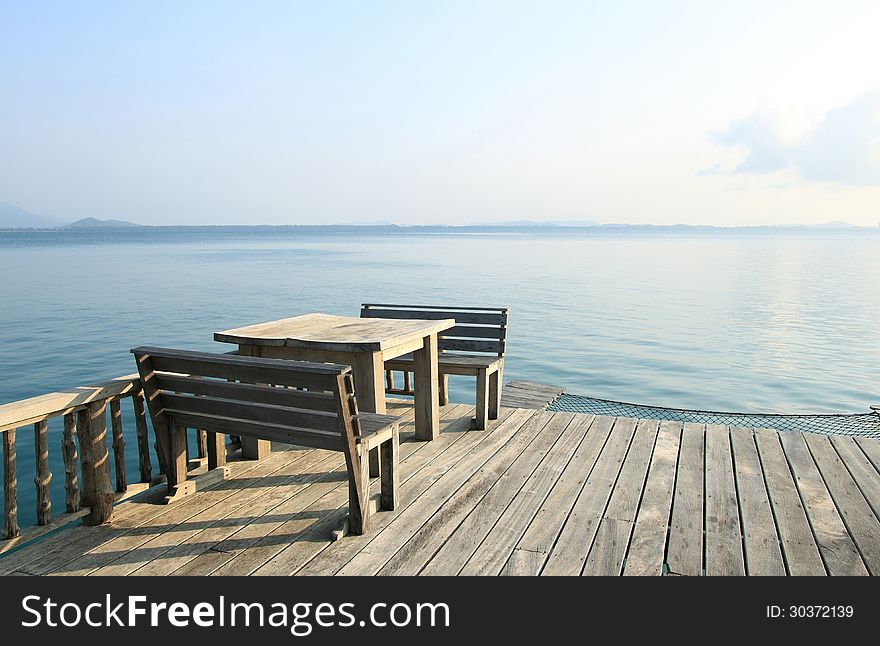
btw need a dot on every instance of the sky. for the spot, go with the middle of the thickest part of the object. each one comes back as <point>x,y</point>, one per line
<point>720,113</point>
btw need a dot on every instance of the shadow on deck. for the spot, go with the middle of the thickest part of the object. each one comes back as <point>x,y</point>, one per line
<point>536,493</point>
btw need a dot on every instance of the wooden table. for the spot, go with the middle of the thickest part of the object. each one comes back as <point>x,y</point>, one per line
<point>365,345</point>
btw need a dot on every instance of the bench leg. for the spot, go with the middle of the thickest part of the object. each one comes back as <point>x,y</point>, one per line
<point>359,507</point>
<point>390,496</point>
<point>481,421</point>
<point>444,390</point>
<point>494,394</point>
<point>375,468</point>
<point>177,448</point>
<point>216,450</point>
<point>254,449</point>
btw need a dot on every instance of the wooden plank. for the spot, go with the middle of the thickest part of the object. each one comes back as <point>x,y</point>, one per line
<point>287,397</point>
<point>10,487</point>
<point>145,466</point>
<point>58,550</point>
<point>648,540</point>
<point>475,332</point>
<point>255,412</point>
<point>476,318</point>
<point>798,543</point>
<point>431,462</point>
<point>471,345</point>
<point>118,446</point>
<point>724,555</point>
<point>871,448</point>
<point>30,411</point>
<point>504,441</point>
<point>685,551</point>
<point>71,464</point>
<point>570,552</point>
<point>861,523</point>
<point>609,548</point>
<point>531,551</point>
<point>861,469</point>
<point>255,370</point>
<point>126,537</point>
<point>496,548</point>
<point>763,555</point>
<point>95,462</point>
<point>43,476</point>
<point>337,333</point>
<point>838,551</point>
<point>427,390</point>
<point>264,540</point>
<point>466,537</point>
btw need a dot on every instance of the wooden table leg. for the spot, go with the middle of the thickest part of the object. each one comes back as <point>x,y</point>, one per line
<point>427,390</point>
<point>368,370</point>
<point>251,447</point>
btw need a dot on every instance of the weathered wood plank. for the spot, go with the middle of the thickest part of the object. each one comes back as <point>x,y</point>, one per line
<point>145,465</point>
<point>118,446</point>
<point>43,476</point>
<point>685,552</point>
<point>496,547</point>
<point>858,517</point>
<point>531,551</point>
<point>10,487</point>
<point>609,548</point>
<point>798,543</point>
<point>861,468</point>
<point>763,555</point>
<point>480,521</point>
<point>648,541</point>
<point>71,464</point>
<point>723,533</point>
<point>503,442</point>
<point>836,546</point>
<point>570,552</point>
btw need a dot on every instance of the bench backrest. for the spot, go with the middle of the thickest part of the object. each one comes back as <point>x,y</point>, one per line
<point>295,402</point>
<point>477,329</point>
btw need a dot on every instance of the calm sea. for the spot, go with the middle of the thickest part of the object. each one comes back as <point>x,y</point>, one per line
<point>769,321</point>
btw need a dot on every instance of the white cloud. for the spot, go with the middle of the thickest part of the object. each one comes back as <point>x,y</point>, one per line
<point>843,147</point>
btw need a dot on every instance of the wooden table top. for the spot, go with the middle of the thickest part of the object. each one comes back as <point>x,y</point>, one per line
<point>334,333</point>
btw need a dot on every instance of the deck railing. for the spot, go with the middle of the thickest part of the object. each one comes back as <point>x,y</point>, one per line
<point>84,449</point>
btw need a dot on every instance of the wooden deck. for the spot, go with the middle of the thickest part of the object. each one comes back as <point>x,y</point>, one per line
<point>536,493</point>
<point>525,394</point>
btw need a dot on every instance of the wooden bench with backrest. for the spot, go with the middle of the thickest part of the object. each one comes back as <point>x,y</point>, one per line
<point>474,347</point>
<point>307,404</point>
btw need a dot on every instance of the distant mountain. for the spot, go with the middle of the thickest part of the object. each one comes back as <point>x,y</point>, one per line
<point>14,217</point>
<point>542,223</point>
<point>94,223</point>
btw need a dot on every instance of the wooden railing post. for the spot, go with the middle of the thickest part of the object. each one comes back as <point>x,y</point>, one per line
<point>43,476</point>
<point>118,446</point>
<point>143,440</point>
<point>95,463</point>
<point>10,484</point>
<point>68,451</point>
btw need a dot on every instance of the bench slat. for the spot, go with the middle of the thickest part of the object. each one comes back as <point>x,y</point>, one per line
<point>471,345</point>
<point>320,401</point>
<point>282,372</point>
<point>264,431</point>
<point>253,411</point>
<point>479,318</point>
<point>475,332</point>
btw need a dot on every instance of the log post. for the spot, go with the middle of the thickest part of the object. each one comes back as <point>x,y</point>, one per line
<point>43,476</point>
<point>82,432</point>
<point>10,484</point>
<point>118,446</point>
<point>202,442</point>
<point>140,420</point>
<point>68,451</point>
<point>95,462</point>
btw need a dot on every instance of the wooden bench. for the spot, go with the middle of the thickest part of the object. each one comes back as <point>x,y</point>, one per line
<point>474,347</point>
<point>308,404</point>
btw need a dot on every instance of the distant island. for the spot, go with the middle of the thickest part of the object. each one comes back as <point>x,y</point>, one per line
<point>94,223</point>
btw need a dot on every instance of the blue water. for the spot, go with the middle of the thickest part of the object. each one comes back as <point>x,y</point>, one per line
<point>762,321</point>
